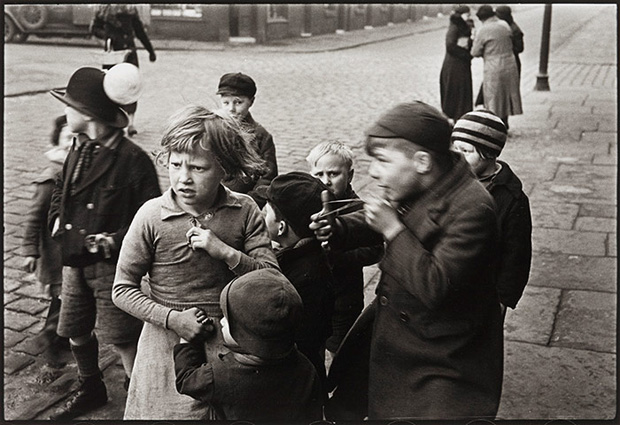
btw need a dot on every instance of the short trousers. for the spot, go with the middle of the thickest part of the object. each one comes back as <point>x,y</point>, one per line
<point>87,305</point>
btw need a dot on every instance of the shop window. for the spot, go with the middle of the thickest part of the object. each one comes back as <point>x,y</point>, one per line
<point>188,11</point>
<point>278,12</point>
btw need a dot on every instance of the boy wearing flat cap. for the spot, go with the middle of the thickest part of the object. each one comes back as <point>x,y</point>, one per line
<point>104,180</point>
<point>291,199</point>
<point>237,93</point>
<point>264,376</point>
<point>480,136</point>
<point>436,346</point>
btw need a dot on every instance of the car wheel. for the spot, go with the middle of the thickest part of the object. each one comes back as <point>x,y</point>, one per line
<point>20,37</point>
<point>32,17</point>
<point>10,29</point>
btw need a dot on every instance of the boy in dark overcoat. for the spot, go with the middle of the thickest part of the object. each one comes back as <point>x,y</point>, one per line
<point>104,180</point>
<point>291,199</point>
<point>237,92</point>
<point>480,136</point>
<point>436,349</point>
<point>264,376</point>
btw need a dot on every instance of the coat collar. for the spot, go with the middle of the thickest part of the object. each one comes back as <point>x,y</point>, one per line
<point>170,207</point>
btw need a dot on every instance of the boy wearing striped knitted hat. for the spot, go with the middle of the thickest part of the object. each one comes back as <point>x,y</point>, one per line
<point>480,136</point>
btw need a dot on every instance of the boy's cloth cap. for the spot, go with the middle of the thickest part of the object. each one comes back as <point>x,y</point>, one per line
<point>85,92</point>
<point>461,8</point>
<point>416,122</point>
<point>484,12</point>
<point>263,310</point>
<point>481,128</point>
<point>297,196</point>
<point>236,84</point>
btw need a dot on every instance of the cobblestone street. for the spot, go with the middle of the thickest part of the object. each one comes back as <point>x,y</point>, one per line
<point>560,342</point>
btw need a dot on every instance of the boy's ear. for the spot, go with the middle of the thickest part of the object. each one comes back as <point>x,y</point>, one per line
<point>252,100</point>
<point>423,162</point>
<point>282,228</point>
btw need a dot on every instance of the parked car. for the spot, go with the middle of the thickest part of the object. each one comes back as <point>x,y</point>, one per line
<point>53,20</point>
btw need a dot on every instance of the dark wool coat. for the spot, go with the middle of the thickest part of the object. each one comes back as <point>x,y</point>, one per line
<point>266,149</point>
<point>437,343</point>
<point>37,241</point>
<point>348,270</point>
<point>121,26</point>
<point>455,83</point>
<point>307,268</point>
<point>287,390</point>
<point>118,182</point>
<point>515,235</point>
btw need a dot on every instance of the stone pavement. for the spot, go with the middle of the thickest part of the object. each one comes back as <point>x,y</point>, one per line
<point>560,343</point>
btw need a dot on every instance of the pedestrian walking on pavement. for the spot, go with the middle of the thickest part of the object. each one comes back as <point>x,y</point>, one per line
<point>104,180</point>
<point>500,82</point>
<point>264,377</point>
<point>237,92</point>
<point>332,163</point>
<point>504,13</point>
<point>42,254</point>
<point>117,25</point>
<point>455,85</point>
<point>436,350</point>
<point>480,136</point>
<point>191,241</point>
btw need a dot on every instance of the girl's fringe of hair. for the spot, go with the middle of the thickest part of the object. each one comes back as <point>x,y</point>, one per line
<point>230,142</point>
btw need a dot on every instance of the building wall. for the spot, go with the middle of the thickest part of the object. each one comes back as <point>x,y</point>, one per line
<point>264,22</point>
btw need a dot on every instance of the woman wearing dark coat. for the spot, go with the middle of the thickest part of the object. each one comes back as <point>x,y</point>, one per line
<point>455,79</point>
<point>118,25</point>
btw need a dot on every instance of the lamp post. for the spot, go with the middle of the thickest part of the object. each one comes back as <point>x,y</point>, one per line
<point>542,79</point>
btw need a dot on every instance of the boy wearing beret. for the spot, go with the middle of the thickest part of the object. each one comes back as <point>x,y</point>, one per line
<point>237,93</point>
<point>480,136</point>
<point>104,180</point>
<point>291,199</point>
<point>436,348</point>
<point>264,376</point>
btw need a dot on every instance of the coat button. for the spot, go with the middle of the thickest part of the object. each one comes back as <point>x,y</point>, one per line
<point>383,300</point>
<point>403,317</point>
<point>82,231</point>
<point>68,226</point>
<point>90,206</point>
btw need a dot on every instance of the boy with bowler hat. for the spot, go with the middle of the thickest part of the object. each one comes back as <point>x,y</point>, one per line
<point>237,93</point>
<point>264,376</point>
<point>104,180</point>
<point>480,136</point>
<point>436,344</point>
<point>291,199</point>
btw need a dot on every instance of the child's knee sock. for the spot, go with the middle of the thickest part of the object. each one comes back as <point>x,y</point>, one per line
<point>87,357</point>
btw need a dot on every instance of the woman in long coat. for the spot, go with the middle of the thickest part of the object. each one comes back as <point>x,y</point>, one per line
<point>500,82</point>
<point>455,84</point>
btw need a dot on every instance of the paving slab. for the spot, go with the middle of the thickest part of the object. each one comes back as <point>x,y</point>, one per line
<point>574,192</point>
<point>598,210</point>
<point>596,224</point>
<point>554,215</point>
<point>545,383</point>
<point>569,242</point>
<point>566,271</point>
<point>586,320</point>
<point>532,321</point>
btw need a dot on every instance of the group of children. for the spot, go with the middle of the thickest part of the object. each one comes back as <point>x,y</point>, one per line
<point>223,293</point>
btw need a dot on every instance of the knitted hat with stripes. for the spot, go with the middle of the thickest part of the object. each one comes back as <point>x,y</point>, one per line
<point>481,128</point>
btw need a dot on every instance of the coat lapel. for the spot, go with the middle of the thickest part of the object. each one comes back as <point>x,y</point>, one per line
<point>102,162</point>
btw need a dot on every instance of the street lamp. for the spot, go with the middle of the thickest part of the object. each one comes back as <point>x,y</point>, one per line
<point>542,79</point>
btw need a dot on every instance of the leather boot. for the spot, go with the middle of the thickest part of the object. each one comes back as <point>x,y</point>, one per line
<point>90,395</point>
